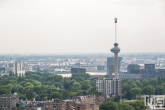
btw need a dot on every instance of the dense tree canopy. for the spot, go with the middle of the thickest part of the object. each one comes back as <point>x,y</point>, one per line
<point>109,105</point>
<point>125,106</point>
<point>131,88</point>
<point>45,86</point>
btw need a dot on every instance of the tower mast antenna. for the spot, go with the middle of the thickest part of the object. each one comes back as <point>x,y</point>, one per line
<point>115,30</point>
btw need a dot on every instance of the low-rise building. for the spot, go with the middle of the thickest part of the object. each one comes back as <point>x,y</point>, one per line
<point>154,102</point>
<point>100,67</point>
<point>28,68</point>
<point>78,70</point>
<point>131,76</point>
<point>88,102</point>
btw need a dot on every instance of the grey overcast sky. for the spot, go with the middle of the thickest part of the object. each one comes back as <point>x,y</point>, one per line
<point>86,26</point>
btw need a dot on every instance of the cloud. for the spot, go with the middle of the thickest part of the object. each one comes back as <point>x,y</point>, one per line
<point>80,26</point>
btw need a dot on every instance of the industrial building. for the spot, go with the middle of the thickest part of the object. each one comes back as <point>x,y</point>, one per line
<point>132,76</point>
<point>100,67</point>
<point>78,70</point>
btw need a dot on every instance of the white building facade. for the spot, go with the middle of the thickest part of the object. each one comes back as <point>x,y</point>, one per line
<point>17,70</point>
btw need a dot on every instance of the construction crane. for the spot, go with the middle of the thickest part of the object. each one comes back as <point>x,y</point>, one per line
<point>137,58</point>
<point>102,60</point>
<point>94,57</point>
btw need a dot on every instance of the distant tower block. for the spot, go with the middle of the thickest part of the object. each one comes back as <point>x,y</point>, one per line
<point>116,50</point>
<point>111,65</point>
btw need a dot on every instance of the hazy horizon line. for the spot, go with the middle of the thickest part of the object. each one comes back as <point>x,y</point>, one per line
<point>66,53</point>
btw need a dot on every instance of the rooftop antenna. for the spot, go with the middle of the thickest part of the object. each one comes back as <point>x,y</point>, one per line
<point>115,19</point>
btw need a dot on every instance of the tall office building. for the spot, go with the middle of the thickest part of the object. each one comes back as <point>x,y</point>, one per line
<point>133,69</point>
<point>111,65</point>
<point>149,70</point>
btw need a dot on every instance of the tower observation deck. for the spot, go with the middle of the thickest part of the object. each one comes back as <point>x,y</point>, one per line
<point>116,50</point>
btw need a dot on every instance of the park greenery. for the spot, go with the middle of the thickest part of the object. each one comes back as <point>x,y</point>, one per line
<point>45,86</point>
<point>132,88</point>
<point>110,105</point>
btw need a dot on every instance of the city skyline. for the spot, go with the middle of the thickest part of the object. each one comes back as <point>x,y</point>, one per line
<point>63,26</point>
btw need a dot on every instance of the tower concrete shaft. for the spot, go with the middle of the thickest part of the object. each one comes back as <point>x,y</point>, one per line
<point>116,50</point>
<point>116,66</point>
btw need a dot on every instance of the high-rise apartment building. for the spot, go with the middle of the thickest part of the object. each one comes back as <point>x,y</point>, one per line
<point>111,87</point>
<point>8,101</point>
<point>17,70</point>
